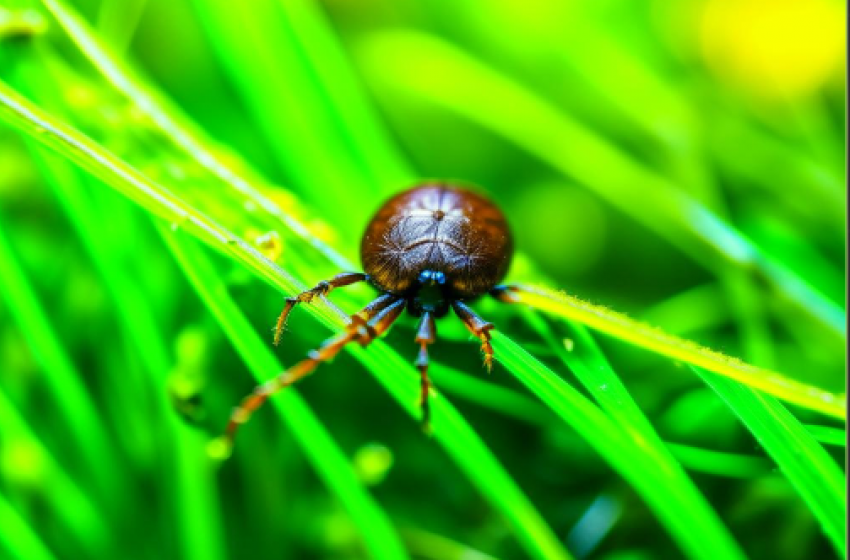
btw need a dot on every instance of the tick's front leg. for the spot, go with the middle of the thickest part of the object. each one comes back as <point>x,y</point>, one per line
<point>323,288</point>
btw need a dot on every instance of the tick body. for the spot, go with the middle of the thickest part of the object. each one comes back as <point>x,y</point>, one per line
<point>430,249</point>
<point>436,244</point>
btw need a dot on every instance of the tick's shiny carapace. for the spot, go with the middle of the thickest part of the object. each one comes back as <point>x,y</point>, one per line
<point>429,249</point>
<point>436,235</point>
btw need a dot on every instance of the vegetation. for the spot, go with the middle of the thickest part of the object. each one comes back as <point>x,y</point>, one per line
<point>170,170</point>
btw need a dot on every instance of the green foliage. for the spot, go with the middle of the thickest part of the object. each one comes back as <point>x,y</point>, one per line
<point>639,168</point>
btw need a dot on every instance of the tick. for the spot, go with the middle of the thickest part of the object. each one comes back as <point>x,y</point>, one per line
<point>433,248</point>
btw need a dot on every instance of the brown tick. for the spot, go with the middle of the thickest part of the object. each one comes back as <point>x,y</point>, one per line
<point>428,249</point>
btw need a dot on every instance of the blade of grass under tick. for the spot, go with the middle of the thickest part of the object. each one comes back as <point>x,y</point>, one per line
<point>625,455</point>
<point>70,396</point>
<point>809,469</point>
<point>18,538</point>
<point>587,362</point>
<point>408,60</point>
<point>194,494</point>
<point>644,336</point>
<point>330,463</point>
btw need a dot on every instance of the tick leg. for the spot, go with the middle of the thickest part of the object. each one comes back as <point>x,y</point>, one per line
<point>506,293</point>
<point>321,289</point>
<point>425,335</point>
<point>479,327</point>
<point>369,323</point>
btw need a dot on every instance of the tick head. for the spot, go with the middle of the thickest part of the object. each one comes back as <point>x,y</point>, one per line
<point>430,294</point>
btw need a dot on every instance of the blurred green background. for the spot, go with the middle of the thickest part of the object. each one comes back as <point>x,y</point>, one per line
<point>682,162</point>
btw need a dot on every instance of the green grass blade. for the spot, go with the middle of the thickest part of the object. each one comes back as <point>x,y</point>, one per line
<point>127,180</point>
<point>366,139</point>
<point>18,538</point>
<point>263,59</point>
<point>72,400</point>
<point>489,395</point>
<point>506,401</point>
<point>633,459</point>
<point>72,506</point>
<point>809,469</point>
<point>588,363</point>
<point>333,466</point>
<point>828,435</point>
<point>719,463</point>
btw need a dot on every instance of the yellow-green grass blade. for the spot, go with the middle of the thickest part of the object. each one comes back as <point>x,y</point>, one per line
<point>121,176</point>
<point>644,336</point>
<point>809,469</point>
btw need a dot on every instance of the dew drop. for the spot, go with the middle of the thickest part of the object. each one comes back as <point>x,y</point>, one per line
<point>219,449</point>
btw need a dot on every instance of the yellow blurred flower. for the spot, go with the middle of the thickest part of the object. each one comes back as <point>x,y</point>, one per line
<point>775,48</point>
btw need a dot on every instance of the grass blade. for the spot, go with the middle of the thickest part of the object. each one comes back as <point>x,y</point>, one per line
<point>18,538</point>
<point>644,336</point>
<point>809,469</point>
<point>72,400</point>
<point>631,458</point>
